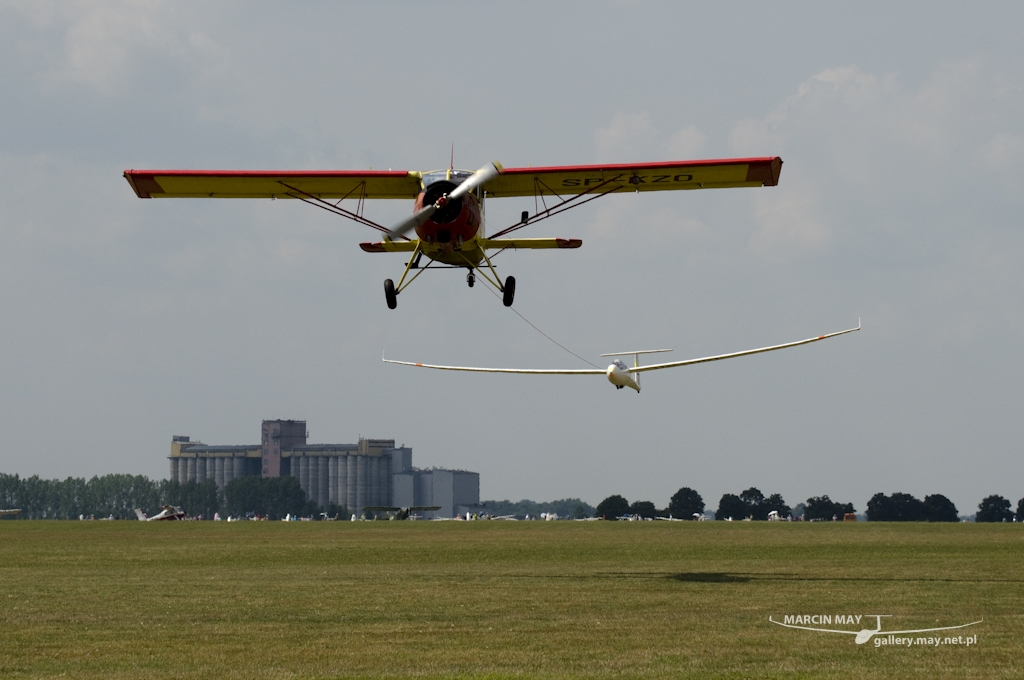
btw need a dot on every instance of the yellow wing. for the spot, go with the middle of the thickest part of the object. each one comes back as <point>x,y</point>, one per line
<point>274,183</point>
<point>662,176</point>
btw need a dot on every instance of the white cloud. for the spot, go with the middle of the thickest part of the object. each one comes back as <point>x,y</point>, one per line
<point>634,137</point>
<point>687,143</point>
<point>103,44</point>
<point>788,227</point>
<point>856,145</point>
<point>627,137</point>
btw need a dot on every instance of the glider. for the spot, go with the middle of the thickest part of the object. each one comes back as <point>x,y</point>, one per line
<point>400,513</point>
<point>617,372</point>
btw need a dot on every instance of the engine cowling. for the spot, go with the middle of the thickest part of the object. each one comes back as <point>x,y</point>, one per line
<point>457,220</point>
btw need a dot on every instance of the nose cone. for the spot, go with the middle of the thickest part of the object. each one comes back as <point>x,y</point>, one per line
<point>620,377</point>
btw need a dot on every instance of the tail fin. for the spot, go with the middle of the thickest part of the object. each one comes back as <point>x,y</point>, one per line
<point>141,515</point>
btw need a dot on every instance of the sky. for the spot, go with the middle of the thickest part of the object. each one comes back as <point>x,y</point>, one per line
<point>901,129</point>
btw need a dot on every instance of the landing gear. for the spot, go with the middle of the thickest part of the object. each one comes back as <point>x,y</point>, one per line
<point>471,278</point>
<point>510,291</point>
<point>389,293</point>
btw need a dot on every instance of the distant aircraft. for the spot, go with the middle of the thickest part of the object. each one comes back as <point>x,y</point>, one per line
<point>12,511</point>
<point>400,513</point>
<point>617,372</point>
<point>168,513</point>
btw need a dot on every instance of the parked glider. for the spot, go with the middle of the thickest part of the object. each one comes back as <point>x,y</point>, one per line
<point>168,513</point>
<point>400,513</point>
<point>617,372</point>
<point>448,209</point>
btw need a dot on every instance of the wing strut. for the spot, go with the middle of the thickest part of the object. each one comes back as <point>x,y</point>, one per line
<point>336,209</point>
<point>566,204</point>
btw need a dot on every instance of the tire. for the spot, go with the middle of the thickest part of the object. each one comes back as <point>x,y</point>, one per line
<point>510,291</point>
<point>389,293</point>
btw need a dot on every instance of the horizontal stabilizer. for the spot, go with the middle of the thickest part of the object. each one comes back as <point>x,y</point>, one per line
<point>642,351</point>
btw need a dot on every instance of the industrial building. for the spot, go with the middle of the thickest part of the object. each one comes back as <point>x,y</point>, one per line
<point>369,472</point>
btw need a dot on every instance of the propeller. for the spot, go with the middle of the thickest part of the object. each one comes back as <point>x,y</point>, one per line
<point>478,178</point>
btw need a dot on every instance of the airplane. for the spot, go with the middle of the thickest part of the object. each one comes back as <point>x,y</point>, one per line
<point>400,513</point>
<point>168,513</point>
<point>448,205</point>
<point>617,372</point>
<point>7,513</point>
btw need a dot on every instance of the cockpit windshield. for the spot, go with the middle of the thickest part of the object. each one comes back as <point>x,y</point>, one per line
<point>453,176</point>
<point>621,366</point>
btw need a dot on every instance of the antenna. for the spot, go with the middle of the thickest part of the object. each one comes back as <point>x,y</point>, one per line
<point>451,163</point>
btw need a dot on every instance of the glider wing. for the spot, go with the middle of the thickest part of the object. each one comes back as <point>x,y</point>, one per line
<point>543,371</point>
<point>688,362</point>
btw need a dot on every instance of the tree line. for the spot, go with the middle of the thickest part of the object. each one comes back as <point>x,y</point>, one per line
<point>572,508</point>
<point>117,496</point>
<point>753,504</point>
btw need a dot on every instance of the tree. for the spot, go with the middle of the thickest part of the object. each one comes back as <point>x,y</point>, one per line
<point>899,507</point>
<point>824,508</point>
<point>273,497</point>
<point>731,506</point>
<point>994,509</point>
<point>612,507</point>
<point>938,508</point>
<point>1020,510</point>
<point>773,502</point>
<point>645,509</point>
<point>753,498</point>
<point>686,503</point>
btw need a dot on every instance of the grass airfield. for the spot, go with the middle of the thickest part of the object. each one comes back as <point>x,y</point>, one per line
<point>501,599</point>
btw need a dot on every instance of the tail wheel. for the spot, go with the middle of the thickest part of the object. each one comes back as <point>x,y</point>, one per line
<point>510,291</point>
<point>389,293</point>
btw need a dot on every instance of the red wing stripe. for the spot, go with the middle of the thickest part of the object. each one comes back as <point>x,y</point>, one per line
<point>266,173</point>
<point>763,161</point>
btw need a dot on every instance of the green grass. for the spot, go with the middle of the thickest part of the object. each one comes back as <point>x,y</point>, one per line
<point>499,599</point>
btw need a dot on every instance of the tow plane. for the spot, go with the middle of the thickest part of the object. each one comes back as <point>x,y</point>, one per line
<point>448,218</point>
<point>618,373</point>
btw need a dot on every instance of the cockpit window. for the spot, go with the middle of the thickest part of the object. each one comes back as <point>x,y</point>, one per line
<point>453,176</point>
<point>620,365</point>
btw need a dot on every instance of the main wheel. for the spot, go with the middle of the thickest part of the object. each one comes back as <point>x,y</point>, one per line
<point>389,293</point>
<point>510,291</point>
<point>471,278</point>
